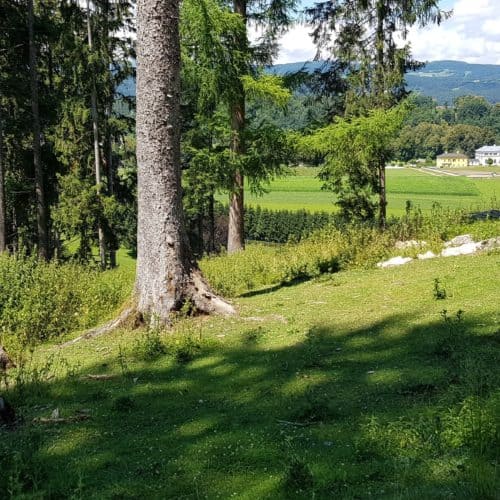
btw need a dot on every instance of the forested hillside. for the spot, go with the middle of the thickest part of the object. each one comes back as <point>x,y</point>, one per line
<point>441,80</point>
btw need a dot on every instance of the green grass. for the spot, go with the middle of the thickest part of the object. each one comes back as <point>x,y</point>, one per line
<point>348,386</point>
<point>303,190</point>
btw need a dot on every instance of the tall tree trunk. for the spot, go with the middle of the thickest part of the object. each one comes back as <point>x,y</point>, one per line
<point>211,217</point>
<point>236,229</point>
<point>380,96</point>
<point>378,85</point>
<point>109,136</point>
<point>111,181</point>
<point>97,153</point>
<point>3,215</point>
<point>41,209</point>
<point>382,197</point>
<point>167,276</point>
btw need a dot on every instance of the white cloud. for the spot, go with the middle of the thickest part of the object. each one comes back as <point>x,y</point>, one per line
<point>472,35</point>
<point>296,45</point>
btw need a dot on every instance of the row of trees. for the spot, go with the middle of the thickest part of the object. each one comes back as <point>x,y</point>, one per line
<point>430,130</point>
<point>61,134</point>
<point>68,136</point>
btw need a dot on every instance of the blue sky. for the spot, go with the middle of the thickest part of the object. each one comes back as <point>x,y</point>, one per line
<point>472,34</point>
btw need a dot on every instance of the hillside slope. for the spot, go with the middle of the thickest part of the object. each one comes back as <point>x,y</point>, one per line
<point>354,385</point>
<point>442,80</point>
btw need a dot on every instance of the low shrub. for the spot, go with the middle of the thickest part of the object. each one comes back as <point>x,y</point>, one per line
<point>262,265</point>
<point>337,246</point>
<point>281,226</point>
<point>325,251</point>
<point>150,345</point>
<point>40,300</point>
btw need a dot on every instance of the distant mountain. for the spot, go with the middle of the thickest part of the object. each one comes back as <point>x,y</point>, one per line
<point>446,80</point>
<point>442,80</point>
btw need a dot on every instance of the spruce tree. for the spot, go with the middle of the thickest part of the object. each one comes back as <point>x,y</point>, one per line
<point>362,36</point>
<point>167,277</point>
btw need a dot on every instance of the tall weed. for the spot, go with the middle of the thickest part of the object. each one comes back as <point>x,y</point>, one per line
<point>337,247</point>
<point>40,300</point>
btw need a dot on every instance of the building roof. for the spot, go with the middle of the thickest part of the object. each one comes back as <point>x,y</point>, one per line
<point>453,155</point>
<point>489,149</point>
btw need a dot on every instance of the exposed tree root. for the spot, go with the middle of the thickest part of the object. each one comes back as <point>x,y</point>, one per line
<point>204,300</point>
<point>197,291</point>
<point>115,323</point>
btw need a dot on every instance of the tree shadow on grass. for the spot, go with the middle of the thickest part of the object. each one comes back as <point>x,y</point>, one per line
<point>274,288</point>
<point>346,414</point>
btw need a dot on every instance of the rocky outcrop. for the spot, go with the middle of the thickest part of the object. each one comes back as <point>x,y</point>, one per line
<point>460,245</point>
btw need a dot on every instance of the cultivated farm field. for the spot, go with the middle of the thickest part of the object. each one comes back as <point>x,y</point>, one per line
<point>302,190</point>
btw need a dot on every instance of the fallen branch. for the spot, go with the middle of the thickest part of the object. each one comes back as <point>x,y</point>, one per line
<point>98,377</point>
<point>297,424</point>
<point>60,420</point>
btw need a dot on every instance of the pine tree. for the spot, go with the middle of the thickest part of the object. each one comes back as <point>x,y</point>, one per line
<point>41,207</point>
<point>274,18</point>
<point>3,214</point>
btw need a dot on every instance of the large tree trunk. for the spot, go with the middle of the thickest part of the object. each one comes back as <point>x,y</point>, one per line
<point>382,197</point>
<point>211,217</point>
<point>236,229</point>
<point>111,181</point>
<point>3,215</point>
<point>41,209</point>
<point>109,136</point>
<point>166,277</point>
<point>97,153</point>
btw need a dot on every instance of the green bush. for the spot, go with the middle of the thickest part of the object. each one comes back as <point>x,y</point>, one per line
<point>335,247</point>
<point>39,300</point>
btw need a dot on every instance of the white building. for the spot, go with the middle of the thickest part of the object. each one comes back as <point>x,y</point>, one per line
<point>486,153</point>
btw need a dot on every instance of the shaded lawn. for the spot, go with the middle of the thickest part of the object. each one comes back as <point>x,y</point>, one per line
<point>341,387</point>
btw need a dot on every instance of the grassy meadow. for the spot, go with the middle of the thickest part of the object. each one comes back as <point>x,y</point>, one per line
<point>335,380</point>
<point>302,190</point>
<point>351,385</point>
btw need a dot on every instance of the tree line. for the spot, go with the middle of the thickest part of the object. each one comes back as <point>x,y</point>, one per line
<point>429,130</point>
<point>62,136</point>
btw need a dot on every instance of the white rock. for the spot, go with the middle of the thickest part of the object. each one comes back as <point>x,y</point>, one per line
<point>466,249</point>
<point>395,261</point>
<point>490,243</point>
<point>457,241</point>
<point>426,255</point>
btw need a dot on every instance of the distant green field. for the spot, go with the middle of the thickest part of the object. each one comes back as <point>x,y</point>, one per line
<point>302,190</point>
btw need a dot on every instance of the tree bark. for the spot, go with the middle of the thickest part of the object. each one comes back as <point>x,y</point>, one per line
<point>3,215</point>
<point>211,217</point>
<point>236,228</point>
<point>111,181</point>
<point>97,153</point>
<point>109,135</point>
<point>41,209</point>
<point>380,96</point>
<point>382,197</point>
<point>167,276</point>
<point>379,85</point>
